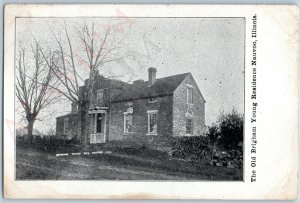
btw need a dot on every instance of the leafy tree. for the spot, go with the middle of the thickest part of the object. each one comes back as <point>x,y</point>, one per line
<point>213,133</point>
<point>231,127</point>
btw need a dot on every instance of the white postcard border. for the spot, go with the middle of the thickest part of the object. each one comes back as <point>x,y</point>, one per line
<point>277,109</point>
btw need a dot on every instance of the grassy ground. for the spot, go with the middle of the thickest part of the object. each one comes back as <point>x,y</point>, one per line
<point>121,164</point>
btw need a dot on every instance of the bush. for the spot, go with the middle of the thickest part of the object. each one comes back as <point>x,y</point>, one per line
<point>196,148</point>
<point>228,131</point>
<point>213,133</point>
<point>52,144</point>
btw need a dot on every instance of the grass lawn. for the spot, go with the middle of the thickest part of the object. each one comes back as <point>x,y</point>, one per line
<point>137,164</point>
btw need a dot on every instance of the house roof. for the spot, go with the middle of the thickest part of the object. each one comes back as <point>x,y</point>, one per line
<point>162,86</point>
<point>68,114</point>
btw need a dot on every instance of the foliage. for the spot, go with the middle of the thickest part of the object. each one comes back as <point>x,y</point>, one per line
<point>228,132</point>
<point>196,147</point>
<point>231,129</point>
<point>49,144</point>
<point>213,133</point>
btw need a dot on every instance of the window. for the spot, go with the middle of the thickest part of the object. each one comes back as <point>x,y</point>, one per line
<point>127,123</point>
<point>189,126</point>
<point>100,97</point>
<point>152,100</point>
<point>129,108</point>
<point>152,122</point>
<point>66,126</point>
<point>128,104</point>
<point>189,94</point>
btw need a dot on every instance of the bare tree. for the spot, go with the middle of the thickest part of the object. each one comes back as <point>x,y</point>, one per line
<point>99,45</point>
<point>66,69</point>
<point>34,81</point>
<point>98,48</point>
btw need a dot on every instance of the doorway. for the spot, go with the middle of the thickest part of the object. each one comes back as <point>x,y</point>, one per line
<point>98,128</point>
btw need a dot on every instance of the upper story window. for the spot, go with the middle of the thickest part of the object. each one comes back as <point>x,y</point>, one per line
<point>100,97</point>
<point>128,104</point>
<point>189,94</point>
<point>152,100</point>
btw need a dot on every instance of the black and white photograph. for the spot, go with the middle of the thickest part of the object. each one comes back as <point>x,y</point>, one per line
<point>116,101</point>
<point>129,98</point>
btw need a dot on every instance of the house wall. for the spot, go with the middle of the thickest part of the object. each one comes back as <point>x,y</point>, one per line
<point>180,110</point>
<point>172,112</point>
<point>110,88</point>
<point>74,126</point>
<point>59,126</point>
<point>140,121</point>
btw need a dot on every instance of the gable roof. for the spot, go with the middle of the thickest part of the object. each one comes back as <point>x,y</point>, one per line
<point>161,87</point>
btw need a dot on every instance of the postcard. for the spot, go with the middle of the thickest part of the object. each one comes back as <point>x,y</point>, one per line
<point>150,101</point>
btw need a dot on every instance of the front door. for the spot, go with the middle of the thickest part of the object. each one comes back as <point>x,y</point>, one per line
<point>99,123</point>
<point>98,128</point>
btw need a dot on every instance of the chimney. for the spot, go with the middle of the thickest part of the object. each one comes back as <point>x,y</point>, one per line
<point>151,76</point>
<point>73,107</point>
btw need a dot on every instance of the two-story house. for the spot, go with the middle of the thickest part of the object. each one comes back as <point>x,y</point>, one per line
<point>145,112</point>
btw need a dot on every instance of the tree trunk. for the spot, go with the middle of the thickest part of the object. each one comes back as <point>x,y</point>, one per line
<point>82,114</point>
<point>82,126</point>
<point>29,131</point>
<point>84,110</point>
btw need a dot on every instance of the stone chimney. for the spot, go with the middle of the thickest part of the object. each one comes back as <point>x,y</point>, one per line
<point>73,107</point>
<point>151,76</point>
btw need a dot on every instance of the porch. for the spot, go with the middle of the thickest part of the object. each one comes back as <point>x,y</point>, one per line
<point>98,123</point>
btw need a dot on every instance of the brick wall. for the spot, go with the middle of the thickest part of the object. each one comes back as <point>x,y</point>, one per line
<point>171,116</point>
<point>116,121</point>
<point>74,128</point>
<point>140,120</point>
<point>181,108</point>
<point>59,126</point>
<point>110,88</point>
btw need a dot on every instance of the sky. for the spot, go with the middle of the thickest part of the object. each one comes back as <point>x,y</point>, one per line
<point>211,49</point>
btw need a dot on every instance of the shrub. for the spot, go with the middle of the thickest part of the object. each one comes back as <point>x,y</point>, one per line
<point>213,133</point>
<point>231,129</point>
<point>197,147</point>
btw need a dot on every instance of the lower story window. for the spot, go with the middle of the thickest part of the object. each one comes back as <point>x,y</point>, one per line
<point>189,126</point>
<point>152,122</point>
<point>127,123</point>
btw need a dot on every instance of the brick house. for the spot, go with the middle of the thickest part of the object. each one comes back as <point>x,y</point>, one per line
<point>149,112</point>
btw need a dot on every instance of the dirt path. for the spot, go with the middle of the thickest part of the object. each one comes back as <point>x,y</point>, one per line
<point>37,165</point>
<point>34,165</point>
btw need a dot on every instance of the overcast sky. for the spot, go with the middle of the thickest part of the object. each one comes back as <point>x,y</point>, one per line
<point>212,49</point>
